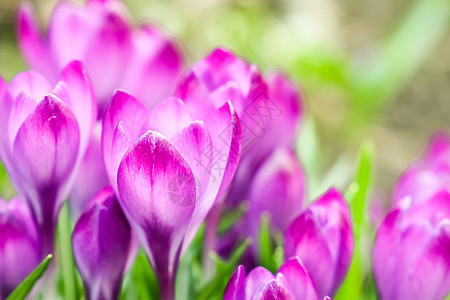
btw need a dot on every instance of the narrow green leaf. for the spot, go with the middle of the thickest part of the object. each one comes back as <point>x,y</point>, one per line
<point>67,262</point>
<point>25,287</point>
<point>357,195</point>
<point>228,220</point>
<point>214,288</point>
<point>265,249</point>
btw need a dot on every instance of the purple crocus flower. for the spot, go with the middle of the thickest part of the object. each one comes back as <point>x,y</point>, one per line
<point>411,257</point>
<point>20,249</point>
<point>168,169</point>
<point>101,245</point>
<point>277,188</point>
<point>429,174</point>
<point>322,238</point>
<point>292,281</point>
<point>45,133</point>
<point>269,108</point>
<point>116,53</point>
<point>91,176</point>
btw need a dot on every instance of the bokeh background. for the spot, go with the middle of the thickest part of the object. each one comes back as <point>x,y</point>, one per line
<point>376,70</point>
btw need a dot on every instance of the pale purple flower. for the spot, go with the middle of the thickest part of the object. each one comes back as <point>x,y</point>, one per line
<point>20,249</point>
<point>292,281</point>
<point>92,175</point>
<point>278,189</point>
<point>322,238</point>
<point>168,168</point>
<point>428,174</point>
<point>117,54</point>
<point>45,132</point>
<point>411,258</point>
<point>269,108</point>
<point>101,246</point>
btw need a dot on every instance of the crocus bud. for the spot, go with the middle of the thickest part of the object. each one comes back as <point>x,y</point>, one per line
<point>322,238</point>
<point>411,258</point>
<point>139,59</point>
<point>292,281</point>
<point>101,246</point>
<point>45,133</point>
<point>165,168</point>
<point>20,250</point>
<point>427,175</point>
<point>278,188</point>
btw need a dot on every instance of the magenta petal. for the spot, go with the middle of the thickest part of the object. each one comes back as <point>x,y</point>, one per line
<point>410,256</point>
<point>32,46</point>
<point>169,117</point>
<point>255,281</point>
<point>299,280</point>
<point>235,286</point>
<point>33,84</point>
<point>194,144</point>
<point>155,64</point>
<point>134,116</point>
<point>75,90</point>
<point>101,243</point>
<point>45,152</point>
<point>321,237</point>
<point>19,245</point>
<point>277,188</point>
<point>91,176</point>
<point>225,130</point>
<point>157,192</point>
<point>274,290</point>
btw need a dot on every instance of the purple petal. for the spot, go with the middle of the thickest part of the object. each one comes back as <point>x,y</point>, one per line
<point>19,244</point>
<point>154,66</point>
<point>322,238</point>
<point>194,144</point>
<point>101,244</point>
<point>225,130</point>
<point>411,250</point>
<point>157,192</point>
<point>32,46</point>
<point>235,286</point>
<point>75,90</point>
<point>33,84</point>
<point>169,117</point>
<point>45,152</point>
<point>256,280</point>
<point>274,290</point>
<point>280,177</point>
<point>91,176</point>
<point>299,280</point>
<point>134,116</point>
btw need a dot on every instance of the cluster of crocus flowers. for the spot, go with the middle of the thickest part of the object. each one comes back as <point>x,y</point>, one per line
<point>411,256</point>
<point>147,152</point>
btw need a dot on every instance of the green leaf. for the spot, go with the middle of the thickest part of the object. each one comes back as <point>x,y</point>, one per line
<point>265,250</point>
<point>67,263</point>
<point>25,287</point>
<point>214,288</point>
<point>229,219</point>
<point>357,195</point>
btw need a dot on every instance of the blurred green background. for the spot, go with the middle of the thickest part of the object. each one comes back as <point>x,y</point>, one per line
<point>376,69</point>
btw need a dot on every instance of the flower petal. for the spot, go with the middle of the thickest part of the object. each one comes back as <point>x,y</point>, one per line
<point>299,280</point>
<point>32,46</point>
<point>155,64</point>
<point>256,280</point>
<point>101,243</point>
<point>169,117</point>
<point>157,193</point>
<point>194,144</point>
<point>45,151</point>
<point>235,286</point>
<point>74,88</point>
<point>134,116</point>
